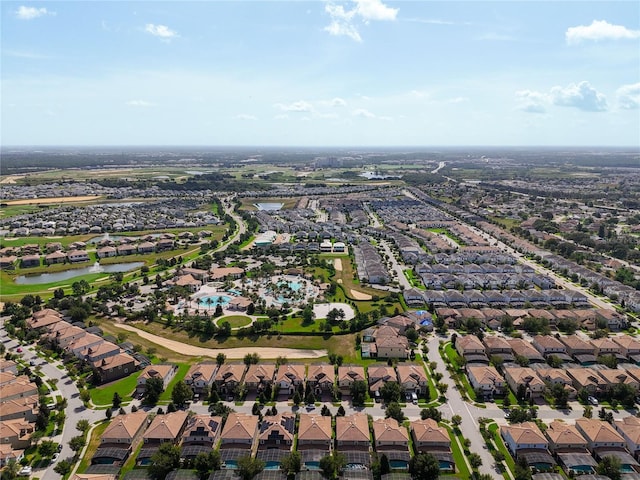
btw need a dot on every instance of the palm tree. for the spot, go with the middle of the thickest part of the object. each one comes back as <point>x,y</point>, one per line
<point>11,470</point>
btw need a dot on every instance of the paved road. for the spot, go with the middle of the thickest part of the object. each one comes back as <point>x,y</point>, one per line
<point>396,266</point>
<point>457,406</point>
<point>67,389</point>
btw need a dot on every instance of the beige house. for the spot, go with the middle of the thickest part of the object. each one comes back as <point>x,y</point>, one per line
<point>164,372</point>
<point>599,434</point>
<point>586,378</point>
<point>352,432</point>
<point>202,430</point>
<point>125,429</point>
<point>486,379</point>
<point>429,437</point>
<point>201,376</point>
<point>469,345</point>
<point>315,432</point>
<point>629,428</point>
<point>523,436</point>
<point>289,377</point>
<point>519,377</point>
<point>259,376</point>
<point>240,431</point>
<point>629,347</point>
<point>16,433</point>
<point>347,374</point>
<point>388,433</point>
<point>166,428</point>
<point>379,374</point>
<point>277,432</point>
<point>413,378</point>
<point>321,378</point>
<point>229,376</point>
<point>564,437</point>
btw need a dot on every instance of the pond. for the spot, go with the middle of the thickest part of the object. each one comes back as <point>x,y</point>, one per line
<point>268,206</point>
<point>77,272</point>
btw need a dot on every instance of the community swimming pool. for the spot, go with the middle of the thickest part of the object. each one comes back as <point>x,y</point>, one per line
<point>292,284</point>
<point>213,300</point>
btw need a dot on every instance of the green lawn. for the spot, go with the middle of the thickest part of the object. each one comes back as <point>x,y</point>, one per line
<point>182,371</point>
<point>462,471</point>
<point>94,443</point>
<point>236,321</point>
<point>497,439</point>
<point>103,395</point>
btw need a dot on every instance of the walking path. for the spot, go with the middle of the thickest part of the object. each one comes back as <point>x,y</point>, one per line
<point>231,353</point>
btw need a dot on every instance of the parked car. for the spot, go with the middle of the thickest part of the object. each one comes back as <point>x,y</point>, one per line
<point>55,457</point>
<point>26,470</point>
<point>592,400</point>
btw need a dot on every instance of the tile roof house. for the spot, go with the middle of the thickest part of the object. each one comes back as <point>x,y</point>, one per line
<point>412,378</point>
<point>259,376</point>
<point>202,430</point>
<point>579,349</point>
<point>229,376</point>
<point>523,436</point>
<point>486,379</point>
<point>469,345</point>
<point>497,346</point>
<point>289,377</point>
<point>629,347</point>
<point>599,434</point>
<point>166,428</point>
<point>321,378</point>
<point>586,378</point>
<point>379,374</point>
<point>550,345</point>
<point>524,377</point>
<point>614,376</point>
<point>239,430</point>
<point>16,433</point>
<point>114,367</point>
<point>277,431</point>
<point>564,437</point>
<point>521,348</point>
<point>314,431</point>
<point>429,437</point>
<point>388,433</point>
<point>352,432</point>
<point>125,429</point>
<point>629,428</point>
<point>201,376</point>
<point>347,374</point>
<point>165,372</point>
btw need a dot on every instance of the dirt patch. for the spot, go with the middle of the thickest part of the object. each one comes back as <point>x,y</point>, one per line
<point>11,179</point>
<point>231,353</point>
<point>322,309</point>
<point>337,264</point>
<point>47,201</point>
<point>356,295</point>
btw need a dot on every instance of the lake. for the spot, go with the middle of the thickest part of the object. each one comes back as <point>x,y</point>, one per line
<point>77,272</point>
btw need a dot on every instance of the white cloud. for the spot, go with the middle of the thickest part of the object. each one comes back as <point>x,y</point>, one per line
<point>532,102</point>
<point>29,13</point>
<point>599,30</point>
<point>364,113</point>
<point>140,103</point>
<point>346,22</point>
<point>299,106</point>
<point>628,96</point>
<point>281,116</point>
<point>581,96</point>
<point>338,102</point>
<point>245,116</point>
<point>161,31</point>
<point>25,54</point>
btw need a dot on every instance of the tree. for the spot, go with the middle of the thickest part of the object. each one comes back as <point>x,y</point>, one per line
<point>77,443</point>
<point>340,412</point>
<point>394,411</point>
<point>456,420</point>
<point>385,467</point>
<point>204,463</point>
<point>424,466</point>
<point>431,412</point>
<point>11,469</point>
<point>249,467</point>
<point>292,463</point>
<point>220,359</point>
<point>588,412</point>
<point>153,389</point>
<point>47,448</point>
<point>474,460</point>
<point>325,412</point>
<point>358,392</point>
<point>181,393</point>
<point>332,464</point>
<point>297,398</point>
<point>391,392</point>
<point>117,400</point>
<point>82,425</point>
<point>610,467</point>
<point>166,459</point>
<point>108,412</point>
<point>63,467</point>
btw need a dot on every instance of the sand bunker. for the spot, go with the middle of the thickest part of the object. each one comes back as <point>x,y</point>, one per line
<point>337,264</point>
<point>46,201</point>
<point>359,295</point>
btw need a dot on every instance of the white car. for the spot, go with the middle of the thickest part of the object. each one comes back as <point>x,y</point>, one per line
<point>25,471</point>
<point>592,400</point>
<point>55,457</point>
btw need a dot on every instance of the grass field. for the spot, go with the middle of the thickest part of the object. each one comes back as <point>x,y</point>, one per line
<point>92,447</point>
<point>165,397</point>
<point>236,321</point>
<point>103,395</point>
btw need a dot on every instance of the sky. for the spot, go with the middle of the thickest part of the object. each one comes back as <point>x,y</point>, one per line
<point>320,73</point>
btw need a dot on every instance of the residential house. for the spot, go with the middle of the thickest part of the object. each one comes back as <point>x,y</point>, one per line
<point>99,352</point>
<point>259,377</point>
<point>392,347</point>
<point>379,374</point>
<point>600,436</point>
<point>55,257</point>
<point>165,372</point>
<point>486,380</point>
<point>202,430</point>
<point>497,346</point>
<point>525,379</point>
<point>75,256</point>
<point>17,388</point>
<point>413,378</point>
<point>240,431</point>
<point>558,375</point>
<point>586,378</point>
<point>352,432</point>
<point>125,429</point>
<point>549,345</point>
<point>8,366</point>
<point>389,434</point>
<point>166,428</point>
<point>277,432</point>
<point>289,377</point>
<point>115,367</point>
<point>314,432</point>
<point>428,437</point>
<point>629,428</point>
<point>25,408</point>
<point>523,436</point>
<point>524,349</point>
<point>564,437</point>
<point>200,377</point>
<point>582,351</point>
<point>16,433</point>
<point>229,376</point>
<point>347,374</point>
<point>629,347</point>
<point>614,376</point>
<point>471,349</point>
<point>79,346</point>
<point>321,378</point>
